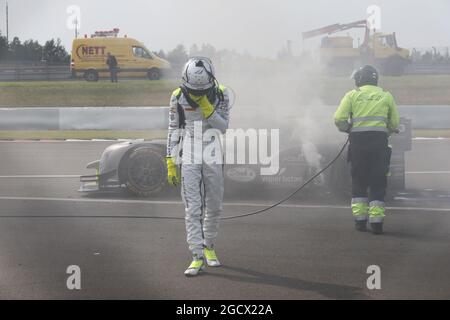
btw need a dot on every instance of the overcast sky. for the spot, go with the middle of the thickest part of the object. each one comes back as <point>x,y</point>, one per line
<point>260,27</point>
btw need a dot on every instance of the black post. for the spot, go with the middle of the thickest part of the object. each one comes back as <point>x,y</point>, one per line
<point>7,23</point>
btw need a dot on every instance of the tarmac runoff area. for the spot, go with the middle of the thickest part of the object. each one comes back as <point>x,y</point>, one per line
<point>305,249</point>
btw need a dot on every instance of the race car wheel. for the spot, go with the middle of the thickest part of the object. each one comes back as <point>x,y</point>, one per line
<point>341,180</point>
<point>145,172</point>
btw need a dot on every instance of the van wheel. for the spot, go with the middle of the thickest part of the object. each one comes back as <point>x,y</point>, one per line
<point>154,74</point>
<point>91,76</point>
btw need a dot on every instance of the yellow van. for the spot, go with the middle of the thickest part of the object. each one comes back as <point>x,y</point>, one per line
<point>134,59</point>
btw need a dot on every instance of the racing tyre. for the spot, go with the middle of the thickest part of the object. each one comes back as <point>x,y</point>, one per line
<point>154,74</point>
<point>144,172</point>
<point>341,181</point>
<point>340,178</point>
<point>91,76</point>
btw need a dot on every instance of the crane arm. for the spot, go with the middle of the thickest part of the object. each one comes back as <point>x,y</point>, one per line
<point>334,28</point>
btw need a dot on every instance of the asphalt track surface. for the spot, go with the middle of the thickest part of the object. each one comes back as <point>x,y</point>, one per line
<point>306,249</point>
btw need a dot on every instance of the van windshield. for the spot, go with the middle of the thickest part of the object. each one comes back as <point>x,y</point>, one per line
<point>141,53</point>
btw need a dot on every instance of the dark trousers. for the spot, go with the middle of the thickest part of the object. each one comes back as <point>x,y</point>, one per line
<point>113,73</point>
<point>369,155</point>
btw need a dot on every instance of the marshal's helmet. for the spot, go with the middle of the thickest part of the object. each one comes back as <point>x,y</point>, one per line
<point>366,75</point>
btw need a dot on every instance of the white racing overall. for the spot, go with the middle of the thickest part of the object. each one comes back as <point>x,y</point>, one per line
<point>202,182</point>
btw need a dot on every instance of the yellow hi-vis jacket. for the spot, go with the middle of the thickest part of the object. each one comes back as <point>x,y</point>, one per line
<point>368,108</point>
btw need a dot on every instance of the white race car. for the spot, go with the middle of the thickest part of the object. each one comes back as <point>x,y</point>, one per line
<point>140,168</point>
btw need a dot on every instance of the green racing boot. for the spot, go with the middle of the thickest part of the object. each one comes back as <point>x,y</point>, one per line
<point>211,257</point>
<point>195,267</point>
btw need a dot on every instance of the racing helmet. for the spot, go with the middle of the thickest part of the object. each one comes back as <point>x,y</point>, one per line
<point>366,75</point>
<point>198,76</point>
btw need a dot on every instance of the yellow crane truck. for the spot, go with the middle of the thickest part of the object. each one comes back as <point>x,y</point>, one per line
<point>379,49</point>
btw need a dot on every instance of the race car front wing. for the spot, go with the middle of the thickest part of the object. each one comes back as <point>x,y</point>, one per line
<point>98,182</point>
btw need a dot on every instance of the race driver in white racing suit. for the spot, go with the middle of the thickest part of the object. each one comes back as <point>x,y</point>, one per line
<point>198,115</point>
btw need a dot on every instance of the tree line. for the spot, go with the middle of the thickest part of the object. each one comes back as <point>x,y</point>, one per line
<point>53,52</point>
<point>32,51</point>
<point>180,55</point>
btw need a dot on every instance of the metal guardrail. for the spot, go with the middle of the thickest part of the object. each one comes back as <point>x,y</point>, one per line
<point>89,118</point>
<point>49,73</point>
<point>60,73</point>
<point>36,73</point>
<point>428,69</point>
<point>156,118</point>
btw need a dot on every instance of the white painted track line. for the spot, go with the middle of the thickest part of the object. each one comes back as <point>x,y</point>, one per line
<point>231,204</point>
<point>57,176</point>
<point>427,172</point>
